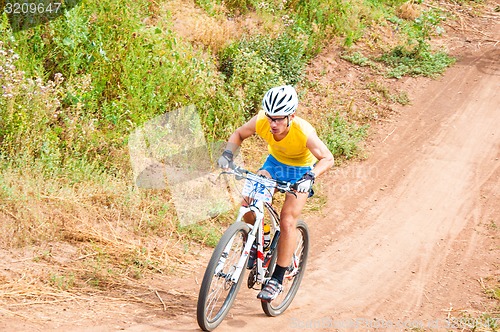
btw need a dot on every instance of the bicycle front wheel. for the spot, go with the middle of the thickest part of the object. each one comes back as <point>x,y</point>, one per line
<point>217,291</point>
<point>293,276</point>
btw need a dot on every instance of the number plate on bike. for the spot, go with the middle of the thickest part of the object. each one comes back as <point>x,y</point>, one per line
<point>259,188</point>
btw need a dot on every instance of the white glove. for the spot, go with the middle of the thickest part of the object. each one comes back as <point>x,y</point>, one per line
<point>305,183</point>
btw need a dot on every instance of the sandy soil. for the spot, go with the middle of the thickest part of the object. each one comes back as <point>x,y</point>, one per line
<point>407,240</point>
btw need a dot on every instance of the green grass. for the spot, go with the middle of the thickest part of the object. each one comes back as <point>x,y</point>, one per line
<point>417,62</point>
<point>207,232</point>
<point>357,58</point>
<point>416,57</point>
<point>343,137</point>
<point>383,91</point>
<point>116,73</point>
<point>62,282</point>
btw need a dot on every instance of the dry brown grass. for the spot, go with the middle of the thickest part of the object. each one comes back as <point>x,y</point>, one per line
<point>33,278</point>
<point>99,235</point>
<point>409,10</point>
<point>215,32</point>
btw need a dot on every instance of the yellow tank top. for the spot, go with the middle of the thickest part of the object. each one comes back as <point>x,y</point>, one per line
<point>292,149</point>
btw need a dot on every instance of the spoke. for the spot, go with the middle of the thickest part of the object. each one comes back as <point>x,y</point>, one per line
<point>211,304</point>
<point>221,283</point>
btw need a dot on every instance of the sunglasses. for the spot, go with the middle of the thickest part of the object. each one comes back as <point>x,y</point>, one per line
<point>277,120</point>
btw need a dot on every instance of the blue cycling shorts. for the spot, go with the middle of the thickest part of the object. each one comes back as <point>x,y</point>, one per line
<point>283,172</point>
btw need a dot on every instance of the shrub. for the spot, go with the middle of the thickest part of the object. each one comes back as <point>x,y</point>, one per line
<point>251,66</point>
<point>415,57</point>
<point>29,111</point>
<point>119,72</point>
<point>419,62</point>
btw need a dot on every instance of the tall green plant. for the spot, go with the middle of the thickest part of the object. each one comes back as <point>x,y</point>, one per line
<point>416,57</point>
<point>28,108</point>
<point>251,66</point>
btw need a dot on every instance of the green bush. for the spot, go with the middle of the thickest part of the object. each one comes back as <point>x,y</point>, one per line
<point>323,19</point>
<point>30,128</point>
<point>252,66</point>
<point>418,62</point>
<point>118,73</point>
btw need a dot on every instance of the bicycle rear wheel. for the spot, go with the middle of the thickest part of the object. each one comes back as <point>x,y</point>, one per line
<point>217,291</point>
<point>293,276</point>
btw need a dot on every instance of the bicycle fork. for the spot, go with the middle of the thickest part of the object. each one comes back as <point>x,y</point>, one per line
<point>258,209</point>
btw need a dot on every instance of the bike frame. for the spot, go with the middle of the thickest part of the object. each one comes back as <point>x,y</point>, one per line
<point>256,233</point>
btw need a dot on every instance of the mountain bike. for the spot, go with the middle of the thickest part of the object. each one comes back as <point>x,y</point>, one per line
<point>226,268</point>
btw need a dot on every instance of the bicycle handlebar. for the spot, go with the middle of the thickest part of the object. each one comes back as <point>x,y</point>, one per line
<point>281,186</point>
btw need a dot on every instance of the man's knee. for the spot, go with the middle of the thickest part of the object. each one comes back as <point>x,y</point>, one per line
<point>264,173</point>
<point>287,222</point>
<point>249,217</point>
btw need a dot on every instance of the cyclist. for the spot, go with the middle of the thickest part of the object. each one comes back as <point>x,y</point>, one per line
<point>296,155</point>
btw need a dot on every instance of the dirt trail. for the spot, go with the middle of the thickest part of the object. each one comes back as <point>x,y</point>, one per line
<point>405,221</point>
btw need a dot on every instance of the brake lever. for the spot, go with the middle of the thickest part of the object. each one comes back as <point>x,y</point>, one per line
<point>220,174</point>
<point>293,188</point>
<point>289,189</point>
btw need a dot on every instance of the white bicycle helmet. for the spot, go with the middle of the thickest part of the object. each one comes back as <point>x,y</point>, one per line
<point>280,101</point>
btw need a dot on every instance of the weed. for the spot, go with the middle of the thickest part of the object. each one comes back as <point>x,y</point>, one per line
<point>62,282</point>
<point>357,58</point>
<point>419,62</point>
<point>492,225</point>
<point>130,77</point>
<point>492,288</point>
<point>401,98</point>
<point>138,261</point>
<point>382,90</point>
<point>206,233</point>
<point>343,137</point>
<point>234,7</point>
<point>416,57</point>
